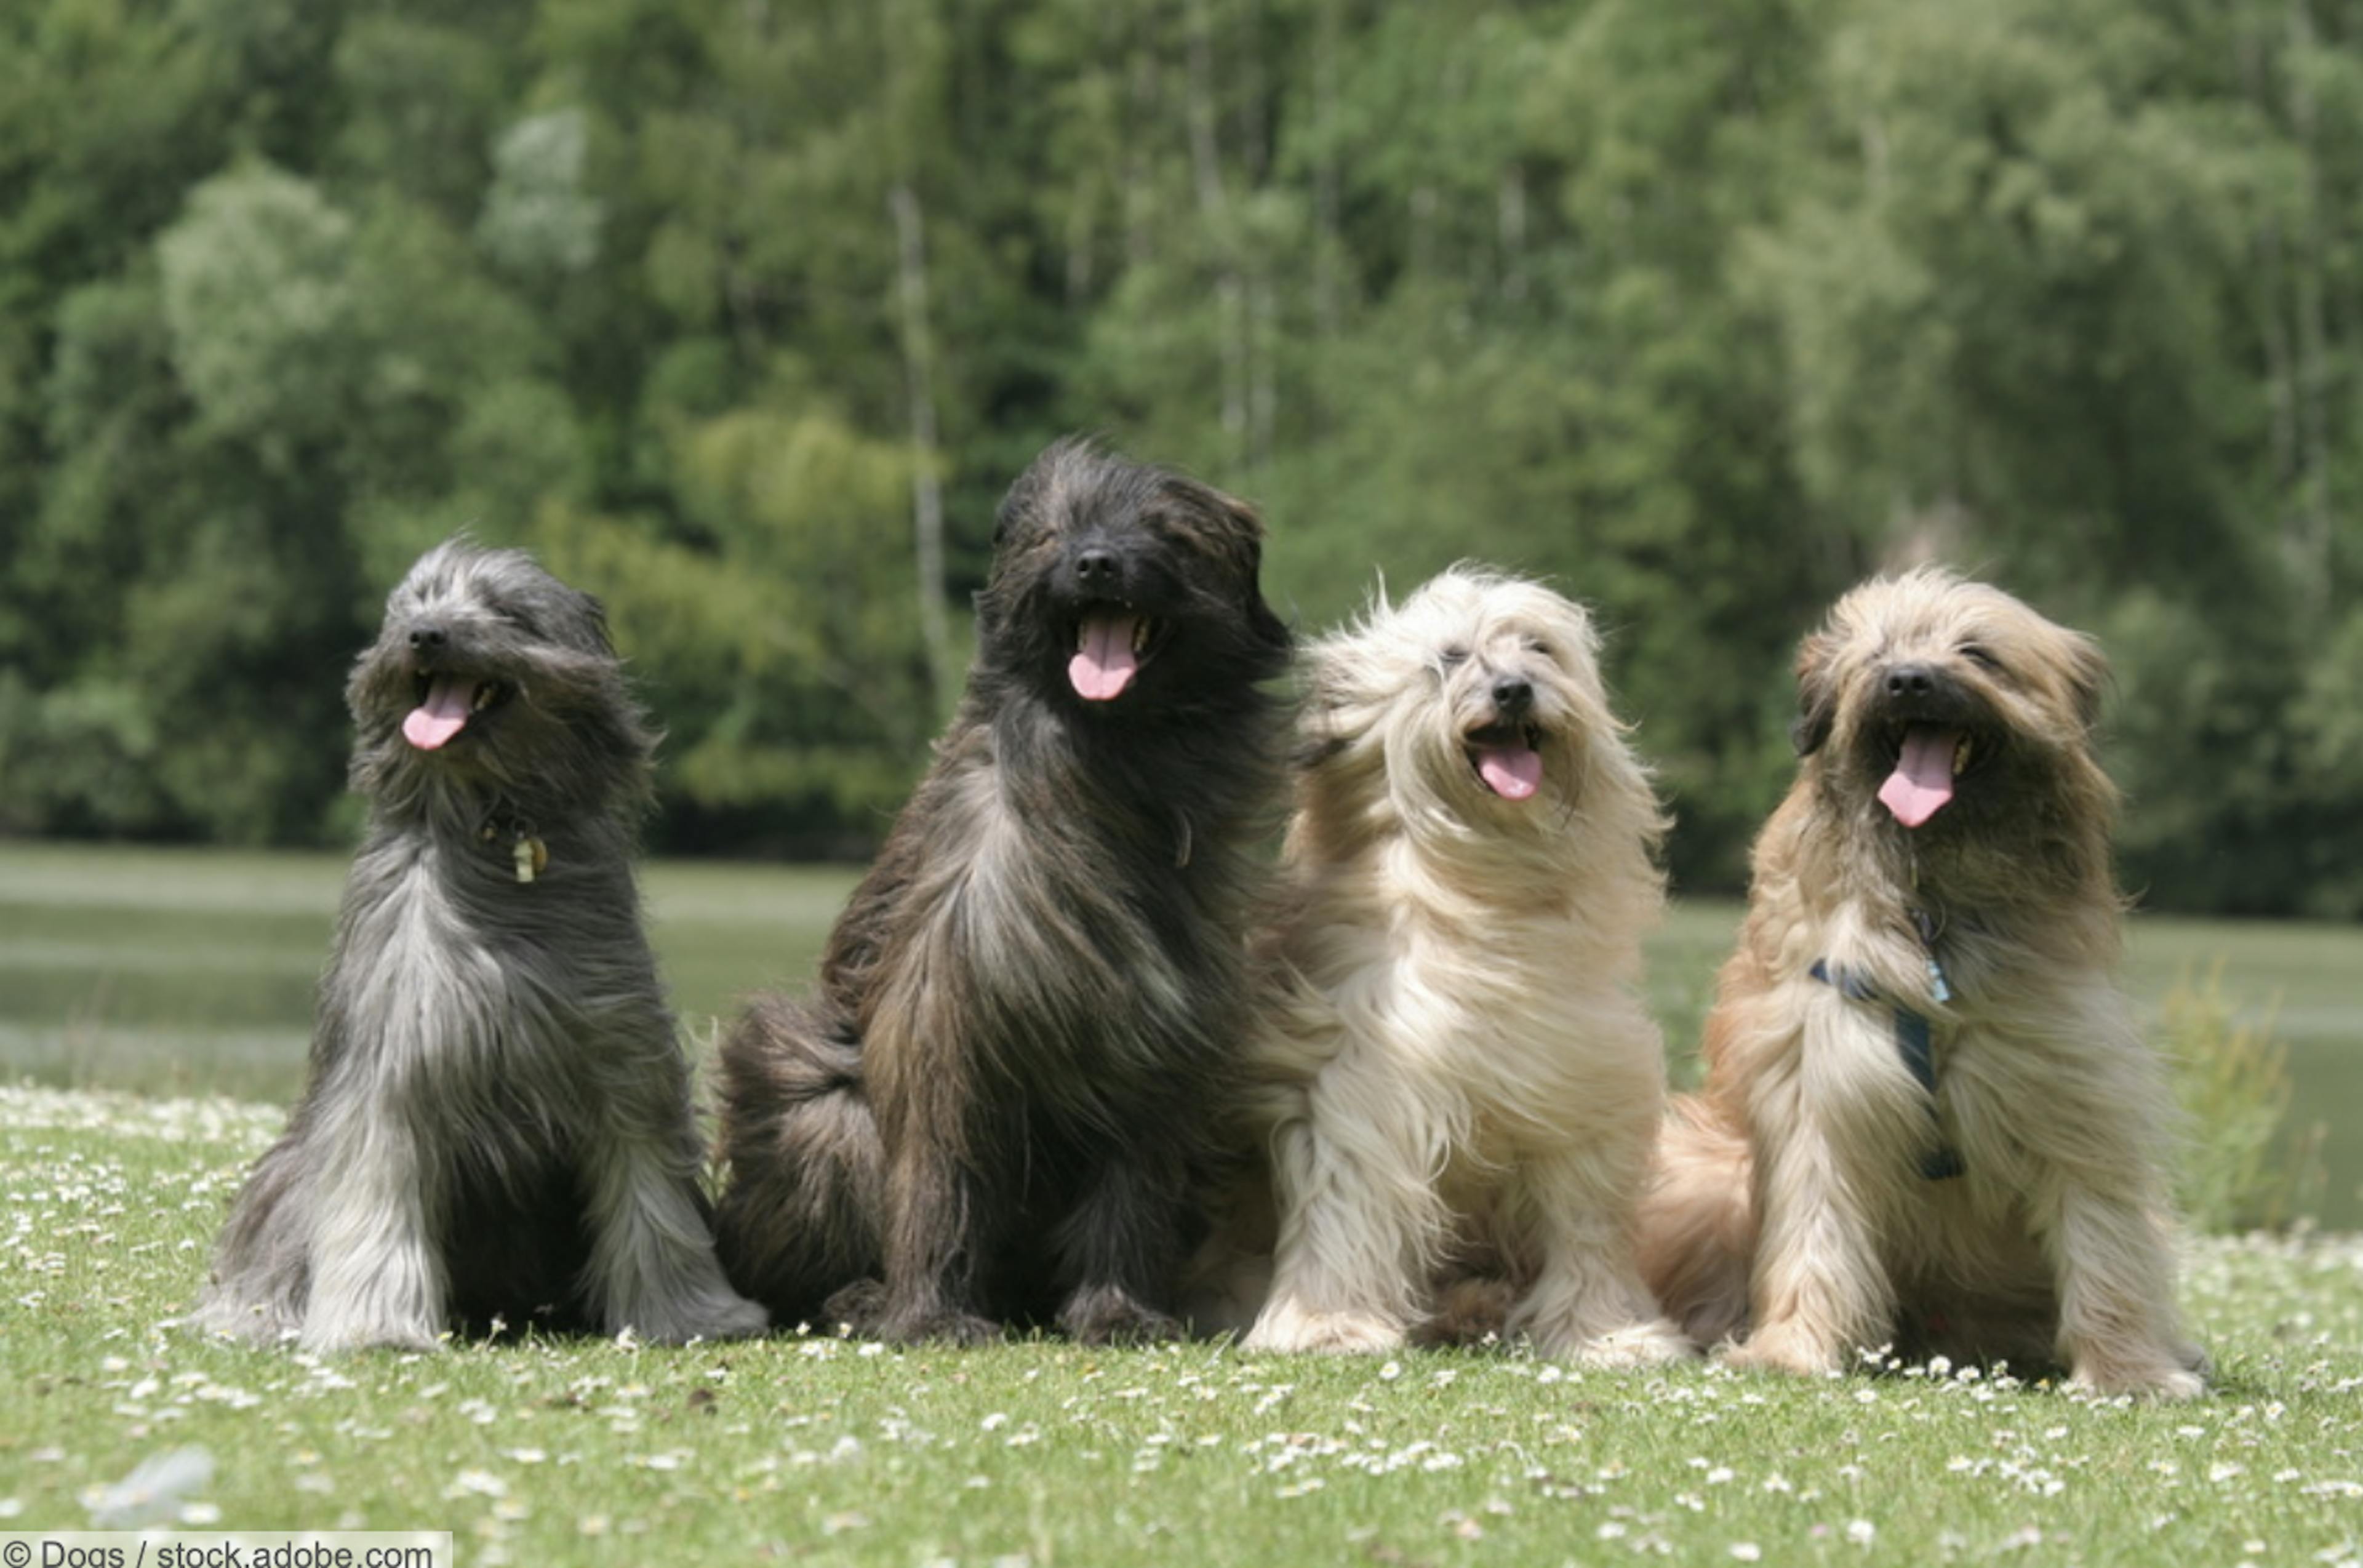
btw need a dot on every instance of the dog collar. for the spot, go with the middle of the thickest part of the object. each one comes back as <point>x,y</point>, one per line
<point>528,854</point>
<point>1914,1042</point>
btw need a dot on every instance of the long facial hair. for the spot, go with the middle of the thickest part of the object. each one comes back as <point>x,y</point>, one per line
<point>1946,732</point>
<point>491,679</point>
<point>1473,717</point>
<point>1126,592</point>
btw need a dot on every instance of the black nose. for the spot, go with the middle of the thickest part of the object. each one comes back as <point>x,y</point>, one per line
<point>1096,569</point>
<point>425,637</point>
<point>1512,694</point>
<point>1911,681</point>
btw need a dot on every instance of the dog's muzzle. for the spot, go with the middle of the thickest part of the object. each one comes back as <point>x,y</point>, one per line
<point>1926,720</point>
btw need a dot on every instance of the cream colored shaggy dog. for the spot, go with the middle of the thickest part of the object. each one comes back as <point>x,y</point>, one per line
<point>1928,1118</point>
<point>1451,1060</point>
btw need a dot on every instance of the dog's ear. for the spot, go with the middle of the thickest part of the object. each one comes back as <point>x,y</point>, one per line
<point>2088,678</point>
<point>1235,523</point>
<point>1817,695</point>
<point>1320,730</point>
<point>594,615</point>
<point>1315,751</point>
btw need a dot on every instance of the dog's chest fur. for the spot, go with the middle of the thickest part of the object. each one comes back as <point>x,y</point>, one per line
<point>1498,995</point>
<point>471,982</point>
<point>1089,925</point>
<point>2009,1042</point>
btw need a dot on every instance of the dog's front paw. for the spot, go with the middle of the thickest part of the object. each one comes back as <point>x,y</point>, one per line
<point>936,1326</point>
<point>254,1325</point>
<point>2155,1379</point>
<point>1286,1327</point>
<point>721,1316</point>
<point>859,1307</point>
<point>1629,1349</point>
<point>1109,1314</point>
<point>1783,1349</point>
<point>331,1338</point>
<point>738,1318</point>
<point>1468,1312</point>
<point>868,1309</point>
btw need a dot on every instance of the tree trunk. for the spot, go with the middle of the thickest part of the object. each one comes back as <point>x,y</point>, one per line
<point>1329,241</point>
<point>927,483</point>
<point>1213,205</point>
<point>1510,210</point>
<point>2310,540</point>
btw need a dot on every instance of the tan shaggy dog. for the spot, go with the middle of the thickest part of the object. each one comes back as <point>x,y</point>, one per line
<point>1928,1120</point>
<point>1449,1060</point>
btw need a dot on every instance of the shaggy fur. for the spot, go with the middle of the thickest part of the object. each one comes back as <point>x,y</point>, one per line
<point>1806,1203</point>
<point>1451,1060</point>
<point>1001,1094</point>
<point>497,1124</point>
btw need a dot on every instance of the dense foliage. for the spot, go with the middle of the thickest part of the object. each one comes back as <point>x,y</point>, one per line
<point>1706,309</point>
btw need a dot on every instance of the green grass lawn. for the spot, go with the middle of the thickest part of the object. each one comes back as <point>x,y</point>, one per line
<point>188,975</point>
<point>820,1450</point>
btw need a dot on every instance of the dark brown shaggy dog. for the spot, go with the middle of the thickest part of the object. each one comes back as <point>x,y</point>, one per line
<point>1928,1118</point>
<point>1000,1095</point>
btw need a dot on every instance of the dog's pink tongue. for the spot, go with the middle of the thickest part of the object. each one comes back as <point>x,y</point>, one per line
<point>1922,780</point>
<point>1104,664</point>
<point>443,715</point>
<point>1513,773</point>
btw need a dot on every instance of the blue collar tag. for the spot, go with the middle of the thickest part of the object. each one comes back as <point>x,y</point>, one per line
<point>1939,986</point>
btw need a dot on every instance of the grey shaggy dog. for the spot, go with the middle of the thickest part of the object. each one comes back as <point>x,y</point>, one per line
<point>497,1125</point>
<point>1003,1090</point>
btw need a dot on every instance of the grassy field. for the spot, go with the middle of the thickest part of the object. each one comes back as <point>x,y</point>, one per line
<point>187,977</point>
<point>819,1451</point>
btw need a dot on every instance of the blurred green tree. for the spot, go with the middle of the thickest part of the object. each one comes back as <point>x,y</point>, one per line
<point>744,315</point>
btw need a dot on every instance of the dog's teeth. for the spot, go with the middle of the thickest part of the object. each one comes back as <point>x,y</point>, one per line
<point>1961,754</point>
<point>484,698</point>
<point>1139,634</point>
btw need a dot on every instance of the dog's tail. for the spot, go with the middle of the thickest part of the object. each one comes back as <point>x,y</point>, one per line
<point>1698,1223</point>
<point>799,1217</point>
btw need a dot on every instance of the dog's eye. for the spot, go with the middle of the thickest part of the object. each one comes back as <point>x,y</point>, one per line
<point>1454,655</point>
<point>1976,653</point>
<point>519,619</point>
<point>1536,645</point>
